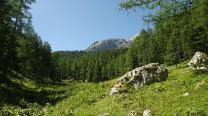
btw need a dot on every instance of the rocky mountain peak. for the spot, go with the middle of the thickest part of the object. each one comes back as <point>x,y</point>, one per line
<point>114,43</point>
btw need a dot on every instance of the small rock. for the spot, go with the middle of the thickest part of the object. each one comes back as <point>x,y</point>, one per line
<point>200,84</point>
<point>106,114</point>
<point>44,109</point>
<point>199,62</point>
<point>132,113</point>
<point>126,94</point>
<point>101,83</point>
<point>39,90</point>
<point>186,94</point>
<point>147,112</point>
<point>116,88</point>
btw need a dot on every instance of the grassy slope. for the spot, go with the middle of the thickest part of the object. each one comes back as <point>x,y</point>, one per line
<point>165,98</point>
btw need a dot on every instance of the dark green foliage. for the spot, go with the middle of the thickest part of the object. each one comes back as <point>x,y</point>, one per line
<point>35,58</point>
<point>172,55</point>
<point>23,57</point>
<point>21,49</point>
<point>180,30</point>
<point>91,66</point>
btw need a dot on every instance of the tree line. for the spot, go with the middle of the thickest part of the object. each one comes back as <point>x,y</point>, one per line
<point>179,30</point>
<point>91,66</point>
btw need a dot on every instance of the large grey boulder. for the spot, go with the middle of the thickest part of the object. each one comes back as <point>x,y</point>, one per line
<point>199,62</point>
<point>141,76</point>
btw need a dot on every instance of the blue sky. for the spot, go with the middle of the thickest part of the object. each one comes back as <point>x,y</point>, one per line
<point>76,24</point>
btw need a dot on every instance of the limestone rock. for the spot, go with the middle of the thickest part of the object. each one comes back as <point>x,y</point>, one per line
<point>186,94</point>
<point>199,62</point>
<point>200,84</point>
<point>116,88</point>
<point>132,113</point>
<point>147,112</point>
<point>141,76</point>
<point>106,114</point>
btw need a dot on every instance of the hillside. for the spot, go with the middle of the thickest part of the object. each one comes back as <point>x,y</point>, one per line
<point>37,80</point>
<point>165,98</point>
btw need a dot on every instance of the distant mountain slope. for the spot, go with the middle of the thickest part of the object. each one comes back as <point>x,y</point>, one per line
<point>115,43</point>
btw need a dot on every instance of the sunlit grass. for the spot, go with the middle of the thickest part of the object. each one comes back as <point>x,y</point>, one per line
<point>165,98</point>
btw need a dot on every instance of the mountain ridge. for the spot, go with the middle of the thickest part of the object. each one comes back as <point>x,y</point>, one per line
<point>111,43</point>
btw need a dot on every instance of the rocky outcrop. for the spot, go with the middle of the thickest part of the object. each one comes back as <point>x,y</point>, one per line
<point>199,62</point>
<point>141,76</point>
